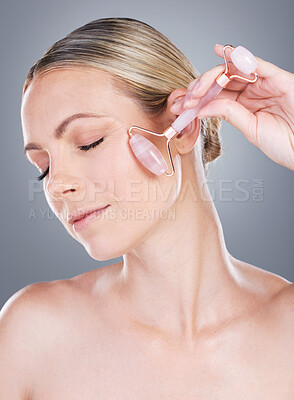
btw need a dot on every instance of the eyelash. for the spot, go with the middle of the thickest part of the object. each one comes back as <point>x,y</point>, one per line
<point>83,148</point>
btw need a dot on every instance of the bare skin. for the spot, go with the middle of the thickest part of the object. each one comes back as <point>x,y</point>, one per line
<point>179,318</point>
<point>95,349</point>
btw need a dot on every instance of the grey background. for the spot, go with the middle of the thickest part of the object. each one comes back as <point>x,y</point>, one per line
<point>35,249</point>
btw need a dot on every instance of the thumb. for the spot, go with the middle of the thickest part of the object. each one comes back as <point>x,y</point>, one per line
<point>234,113</point>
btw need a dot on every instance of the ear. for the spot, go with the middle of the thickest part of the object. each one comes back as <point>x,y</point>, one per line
<point>185,140</point>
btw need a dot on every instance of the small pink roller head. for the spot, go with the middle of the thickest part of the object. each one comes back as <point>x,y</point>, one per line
<point>244,60</point>
<point>148,154</point>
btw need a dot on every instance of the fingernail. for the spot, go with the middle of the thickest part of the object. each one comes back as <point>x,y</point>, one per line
<point>174,106</point>
<point>192,90</point>
<point>188,97</point>
<point>194,87</point>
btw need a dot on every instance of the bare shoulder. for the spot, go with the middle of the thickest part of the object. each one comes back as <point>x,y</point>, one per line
<point>277,292</point>
<point>33,298</point>
<point>32,312</point>
<point>285,304</point>
<point>266,283</point>
<point>282,317</point>
<point>27,321</point>
<point>48,299</point>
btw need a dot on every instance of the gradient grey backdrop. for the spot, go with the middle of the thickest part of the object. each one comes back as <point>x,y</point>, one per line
<point>35,246</point>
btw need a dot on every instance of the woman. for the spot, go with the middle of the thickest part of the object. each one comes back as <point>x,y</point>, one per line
<point>179,318</point>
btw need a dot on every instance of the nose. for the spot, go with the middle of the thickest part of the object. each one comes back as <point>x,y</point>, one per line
<point>64,186</point>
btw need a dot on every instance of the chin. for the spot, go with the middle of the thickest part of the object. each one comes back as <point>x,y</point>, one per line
<point>103,252</point>
<point>104,256</point>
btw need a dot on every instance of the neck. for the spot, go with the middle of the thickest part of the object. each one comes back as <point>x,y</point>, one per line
<point>178,279</point>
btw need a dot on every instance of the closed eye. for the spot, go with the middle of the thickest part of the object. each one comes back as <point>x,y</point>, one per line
<point>84,148</point>
<point>90,146</point>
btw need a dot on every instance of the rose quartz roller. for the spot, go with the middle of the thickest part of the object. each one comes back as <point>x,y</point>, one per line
<point>148,154</point>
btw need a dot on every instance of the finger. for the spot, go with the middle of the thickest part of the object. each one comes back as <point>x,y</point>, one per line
<point>181,105</point>
<point>192,84</point>
<point>218,49</point>
<point>234,113</point>
<point>212,74</point>
<point>199,86</point>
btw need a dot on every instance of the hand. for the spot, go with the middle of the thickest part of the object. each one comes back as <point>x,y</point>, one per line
<point>263,111</point>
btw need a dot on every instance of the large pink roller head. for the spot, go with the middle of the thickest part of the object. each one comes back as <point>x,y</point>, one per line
<point>148,154</point>
<point>244,60</point>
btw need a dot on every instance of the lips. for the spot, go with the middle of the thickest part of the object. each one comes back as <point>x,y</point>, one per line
<point>80,214</point>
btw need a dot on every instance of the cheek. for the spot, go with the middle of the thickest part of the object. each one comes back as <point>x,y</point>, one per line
<point>137,190</point>
<point>119,178</point>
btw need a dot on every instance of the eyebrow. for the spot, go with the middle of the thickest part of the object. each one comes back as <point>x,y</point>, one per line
<point>59,131</point>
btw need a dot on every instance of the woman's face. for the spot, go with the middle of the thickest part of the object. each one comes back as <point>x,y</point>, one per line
<point>108,174</point>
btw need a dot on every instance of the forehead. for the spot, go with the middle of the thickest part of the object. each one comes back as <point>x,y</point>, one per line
<point>63,92</point>
<point>68,87</point>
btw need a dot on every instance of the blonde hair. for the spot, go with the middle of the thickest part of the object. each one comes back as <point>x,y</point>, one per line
<point>144,63</point>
